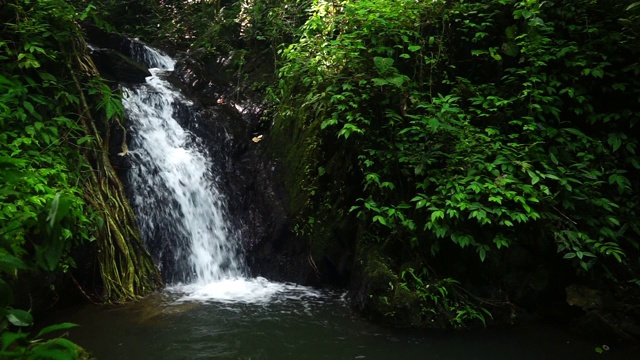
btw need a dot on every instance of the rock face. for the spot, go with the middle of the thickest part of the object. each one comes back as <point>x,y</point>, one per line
<point>117,67</point>
<point>113,55</point>
<point>230,121</point>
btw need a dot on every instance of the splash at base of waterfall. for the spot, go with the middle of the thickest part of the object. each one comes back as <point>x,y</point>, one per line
<point>243,290</point>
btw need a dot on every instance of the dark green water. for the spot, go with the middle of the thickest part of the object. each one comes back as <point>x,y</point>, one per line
<point>302,327</point>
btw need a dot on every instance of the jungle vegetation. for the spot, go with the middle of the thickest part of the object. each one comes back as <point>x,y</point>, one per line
<point>475,128</point>
<point>58,191</point>
<point>471,131</point>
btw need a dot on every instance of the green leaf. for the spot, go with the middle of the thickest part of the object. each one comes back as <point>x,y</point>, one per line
<point>19,317</point>
<point>27,105</point>
<point>56,327</point>
<point>380,219</point>
<point>615,141</point>
<point>84,139</point>
<point>397,80</point>
<point>438,214</point>
<point>633,6</point>
<point>575,132</point>
<point>6,294</point>
<point>383,63</point>
<point>494,54</point>
<point>9,338</point>
<point>379,82</point>
<point>482,251</point>
<point>58,349</point>
<point>53,210</point>
<point>10,263</point>
<point>112,109</point>
<point>414,48</point>
<point>584,265</point>
<point>59,208</point>
<point>5,81</point>
<point>614,221</point>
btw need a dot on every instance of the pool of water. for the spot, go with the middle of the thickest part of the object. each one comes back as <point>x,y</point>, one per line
<point>297,323</point>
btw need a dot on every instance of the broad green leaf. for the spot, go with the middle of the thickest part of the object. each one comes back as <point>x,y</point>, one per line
<point>58,349</point>
<point>380,219</point>
<point>19,317</point>
<point>379,82</point>
<point>615,141</point>
<point>84,139</point>
<point>575,132</point>
<point>397,80</point>
<point>59,208</point>
<point>383,63</point>
<point>10,263</point>
<point>633,6</point>
<point>53,210</point>
<point>482,251</point>
<point>112,109</point>
<point>5,81</point>
<point>9,338</point>
<point>56,327</point>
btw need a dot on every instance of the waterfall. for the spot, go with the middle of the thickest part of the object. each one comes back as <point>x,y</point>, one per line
<point>174,192</point>
<point>180,212</point>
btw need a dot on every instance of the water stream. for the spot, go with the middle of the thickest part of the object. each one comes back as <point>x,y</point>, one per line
<point>180,212</point>
<point>174,194</point>
<point>211,309</point>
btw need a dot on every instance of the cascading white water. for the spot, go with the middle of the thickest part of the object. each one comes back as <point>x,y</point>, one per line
<point>173,187</point>
<point>180,211</point>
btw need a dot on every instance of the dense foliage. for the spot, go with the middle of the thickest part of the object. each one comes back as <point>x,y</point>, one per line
<point>478,126</point>
<point>462,133</point>
<point>57,189</point>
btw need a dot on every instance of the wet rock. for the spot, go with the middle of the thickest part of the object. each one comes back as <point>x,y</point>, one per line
<point>117,67</point>
<point>583,297</point>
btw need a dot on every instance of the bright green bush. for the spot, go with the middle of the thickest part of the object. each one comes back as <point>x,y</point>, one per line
<point>482,124</point>
<point>57,187</point>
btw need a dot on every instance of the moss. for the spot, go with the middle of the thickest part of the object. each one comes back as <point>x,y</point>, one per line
<point>313,178</point>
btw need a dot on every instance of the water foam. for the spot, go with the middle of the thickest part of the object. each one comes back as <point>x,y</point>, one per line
<point>243,290</point>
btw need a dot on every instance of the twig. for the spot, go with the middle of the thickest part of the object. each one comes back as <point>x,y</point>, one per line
<point>565,216</point>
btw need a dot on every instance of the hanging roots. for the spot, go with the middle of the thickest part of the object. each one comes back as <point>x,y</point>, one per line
<point>127,269</point>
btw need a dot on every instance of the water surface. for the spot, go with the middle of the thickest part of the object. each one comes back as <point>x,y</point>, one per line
<point>299,324</point>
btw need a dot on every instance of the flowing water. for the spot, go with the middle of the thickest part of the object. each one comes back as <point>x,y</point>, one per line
<point>301,326</point>
<point>211,309</point>
<point>174,196</point>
